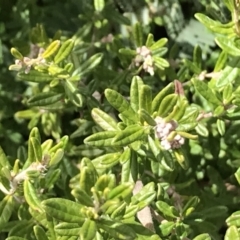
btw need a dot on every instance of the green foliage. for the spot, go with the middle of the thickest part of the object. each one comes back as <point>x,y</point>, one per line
<point>119,120</point>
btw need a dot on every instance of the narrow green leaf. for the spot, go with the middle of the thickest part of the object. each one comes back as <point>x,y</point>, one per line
<point>150,40</point>
<point>50,226</point>
<point>232,233</point>
<point>63,210</point>
<point>146,117</point>
<point>64,51</point>
<point>39,232</point>
<point>229,73</point>
<point>15,238</point>
<point>215,26</point>
<point>155,148</point>
<point>160,63</point>
<point>127,52</point>
<point>16,54</point>
<point>197,56</point>
<point>39,217</point>
<point>159,44</point>
<point>237,175</point>
<point>227,93</point>
<point>192,66</point>
<point>31,196</point>
<point>106,161</point>
<point>59,145</point>
<point>121,104</point>
<point>179,110</point>
<point>3,159</point>
<point>88,230</point>
<point>35,134</point>
<point>82,197</point>
<point>67,229</point>
<point>161,95</point>
<point>119,211</point>
<point>22,228</point>
<point>219,111</point>
<point>88,65</point>
<point>73,93</point>
<point>145,98</point>
<point>202,130</point>
<point>228,45</point>
<point>131,210</point>
<point>101,139</point>
<point>31,154</point>
<point>105,181</point>
<point>234,219</point>
<point>159,53</point>
<point>204,236</point>
<point>135,92</point>
<point>181,158</point>
<point>109,206</point>
<point>138,34</point>
<point>126,166</point>
<point>191,203</point>
<point>221,61</point>
<point>87,178</point>
<point>117,230</point>
<point>221,126</point>
<point>6,209</point>
<point>130,134</point>
<point>116,16</point>
<point>56,71</point>
<point>121,191</point>
<point>52,177</point>
<point>99,5</point>
<point>206,92</point>
<point>166,209</point>
<point>51,49</point>
<point>105,121</point>
<point>35,76</point>
<point>166,228</point>
<point>56,157</point>
<point>36,147</point>
<point>27,114</point>
<point>145,196</point>
<point>168,161</point>
<point>167,105</point>
<point>44,99</point>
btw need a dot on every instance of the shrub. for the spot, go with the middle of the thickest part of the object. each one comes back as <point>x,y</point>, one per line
<point>119,120</point>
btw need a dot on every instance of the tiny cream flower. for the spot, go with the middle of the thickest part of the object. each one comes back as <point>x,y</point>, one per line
<point>144,57</point>
<point>163,130</point>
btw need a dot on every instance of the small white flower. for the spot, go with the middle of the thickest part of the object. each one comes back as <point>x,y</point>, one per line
<point>166,131</point>
<point>177,137</point>
<point>150,70</point>
<point>169,126</point>
<point>144,56</point>
<point>163,130</point>
<point>181,141</point>
<point>18,62</point>
<point>143,51</point>
<point>166,144</point>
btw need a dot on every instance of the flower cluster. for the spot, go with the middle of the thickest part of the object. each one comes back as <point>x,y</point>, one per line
<point>26,63</point>
<point>163,131</point>
<point>144,56</point>
<point>35,168</point>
